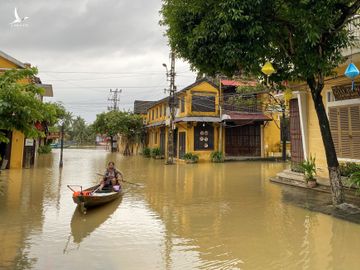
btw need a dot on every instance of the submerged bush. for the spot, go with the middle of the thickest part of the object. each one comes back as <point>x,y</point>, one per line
<point>146,152</point>
<point>217,157</point>
<point>155,152</point>
<point>44,149</point>
<point>191,157</point>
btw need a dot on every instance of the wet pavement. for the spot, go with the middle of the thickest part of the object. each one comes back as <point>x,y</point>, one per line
<point>198,216</point>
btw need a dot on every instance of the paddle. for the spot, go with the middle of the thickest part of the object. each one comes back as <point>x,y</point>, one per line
<point>96,189</point>
<point>132,183</point>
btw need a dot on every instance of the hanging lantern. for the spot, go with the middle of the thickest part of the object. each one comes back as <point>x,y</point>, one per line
<point>267,69</point>
<point>352,72</point>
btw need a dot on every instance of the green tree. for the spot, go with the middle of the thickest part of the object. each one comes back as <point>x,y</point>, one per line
<point>80,132</point>
<point>20,104</point>
<point>129,126</point>
<point>303,39</point>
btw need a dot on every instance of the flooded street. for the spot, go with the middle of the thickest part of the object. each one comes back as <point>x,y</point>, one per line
<point>202,216</point>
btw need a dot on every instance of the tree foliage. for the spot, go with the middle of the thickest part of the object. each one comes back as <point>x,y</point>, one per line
<point>128,125</point>
<point>303,39</point>
<point>20,104</point>
<point>80,132</point>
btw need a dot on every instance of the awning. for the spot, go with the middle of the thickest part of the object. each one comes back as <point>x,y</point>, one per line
<point>235,116</point>
<point>156,124</point>
<point>198,119</point>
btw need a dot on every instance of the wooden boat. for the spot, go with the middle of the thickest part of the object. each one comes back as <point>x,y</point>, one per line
<point>58,145</point>
<point>93,197</point>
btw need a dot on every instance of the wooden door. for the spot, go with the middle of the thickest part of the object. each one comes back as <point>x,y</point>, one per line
<point>243,140</point>
<point>297,151</point>
<point>182,144</point>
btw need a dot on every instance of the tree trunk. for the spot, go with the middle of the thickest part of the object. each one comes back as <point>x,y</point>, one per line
<point>331,157</point>
<point>112,149</point>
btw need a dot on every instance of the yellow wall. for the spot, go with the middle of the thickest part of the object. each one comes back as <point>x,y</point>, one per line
<point>189,130</point>
<point>17,150</point>
<point>17,147</point>
<point>202,88</point>
<point>159,113</point>
<point>315,143</point>
<point>6,63</point>
<point>154,133</point>
<point>272,143</point>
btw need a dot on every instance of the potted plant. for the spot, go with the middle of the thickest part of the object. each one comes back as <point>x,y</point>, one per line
<point>156,153</point>
<point>309,168</point>
<point>217,157</point>
<point>147,152</point>
<point>191,158</point>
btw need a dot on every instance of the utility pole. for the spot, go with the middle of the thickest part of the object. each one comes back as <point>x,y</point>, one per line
<point>114,99</point>
<point>62,144</point>
<point>220,113</point>
<point>114,106</point>
<point>172,89</point>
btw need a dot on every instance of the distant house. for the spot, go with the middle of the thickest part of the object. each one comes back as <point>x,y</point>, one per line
<point>202,126</point>
<point>20,149</point>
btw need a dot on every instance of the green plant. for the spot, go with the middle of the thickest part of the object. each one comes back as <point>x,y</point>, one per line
<point>354,181</point>
<point>191,157</point>
<point>349,168</point>
<point>146,152</point>
<point>44,149</point>
<point>297,168</point>
<point>155,152</point>
<point>309,168</point>
<point>217,157</point>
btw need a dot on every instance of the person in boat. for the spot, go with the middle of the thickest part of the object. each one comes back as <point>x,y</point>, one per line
<point>112,176</point>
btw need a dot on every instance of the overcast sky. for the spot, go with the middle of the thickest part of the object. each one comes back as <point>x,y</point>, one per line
<point>85,47</point>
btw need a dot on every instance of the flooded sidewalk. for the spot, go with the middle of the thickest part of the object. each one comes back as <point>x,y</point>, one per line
<point>196,216</point>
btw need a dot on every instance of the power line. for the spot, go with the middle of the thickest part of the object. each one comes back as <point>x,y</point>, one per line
<point>106,73</point>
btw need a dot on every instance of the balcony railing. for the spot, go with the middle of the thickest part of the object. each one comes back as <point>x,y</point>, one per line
<point>354,28</point>
<point>238,103</point>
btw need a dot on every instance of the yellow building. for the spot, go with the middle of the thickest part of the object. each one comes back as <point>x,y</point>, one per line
<point>13,153</point>
<point>203,124</point>
<point>343,108</point>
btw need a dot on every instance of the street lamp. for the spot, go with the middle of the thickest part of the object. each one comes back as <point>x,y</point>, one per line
<point>62,123</point>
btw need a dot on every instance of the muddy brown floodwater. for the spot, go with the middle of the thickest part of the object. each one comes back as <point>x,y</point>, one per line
<point>202,216</point>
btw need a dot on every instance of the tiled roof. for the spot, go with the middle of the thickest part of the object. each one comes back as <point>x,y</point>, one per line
<point>238,83</point>
<point>141,106</point>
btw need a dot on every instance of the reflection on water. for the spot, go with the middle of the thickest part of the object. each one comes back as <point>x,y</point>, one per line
<point>83,225</point>
<point>202,216</point>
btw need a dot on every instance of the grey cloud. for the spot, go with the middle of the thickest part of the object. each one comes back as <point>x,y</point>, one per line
<point>116,36</point>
